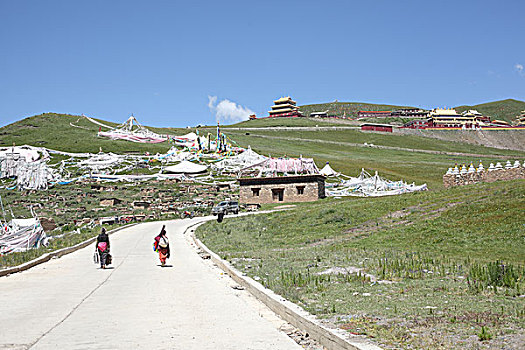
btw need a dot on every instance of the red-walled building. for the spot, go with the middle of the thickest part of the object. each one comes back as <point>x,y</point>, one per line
<point>376,127</point>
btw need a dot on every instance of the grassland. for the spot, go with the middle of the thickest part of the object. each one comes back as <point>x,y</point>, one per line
<point>55,132</point>
<point>343,149</point>
<point>425,270</point>
<point>379,139</point>
<point>289,122</point>
<point>348,109</point>
<point>502,110</point>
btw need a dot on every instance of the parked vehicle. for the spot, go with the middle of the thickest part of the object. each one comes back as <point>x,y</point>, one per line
<point>225,208</point>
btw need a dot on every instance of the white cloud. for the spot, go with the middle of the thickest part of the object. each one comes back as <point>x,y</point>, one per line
<point>211,102</point>
<point>227,111</point>
<point>519,69</point>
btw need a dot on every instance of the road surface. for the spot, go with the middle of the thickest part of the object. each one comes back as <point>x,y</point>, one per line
<point>70,303</point>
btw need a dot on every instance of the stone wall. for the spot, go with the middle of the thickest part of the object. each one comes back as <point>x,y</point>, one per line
<point>311,191</point>
<point>484,176</point>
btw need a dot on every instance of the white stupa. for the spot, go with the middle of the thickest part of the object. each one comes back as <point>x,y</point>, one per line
<point>450,171</point>
<point>517,164</point>
<point>463,170</point>
<point>508,165</point>
<point>471,169</point>
<point>491,167</point>
<point>480,167</point>
<point>456,170</point>
<point>499,166</point>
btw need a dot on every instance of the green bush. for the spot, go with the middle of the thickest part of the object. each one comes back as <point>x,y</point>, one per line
<point>484,334</point>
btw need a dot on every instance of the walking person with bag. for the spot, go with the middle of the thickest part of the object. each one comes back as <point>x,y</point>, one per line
<point>162,245</point>
<point>102,247</point>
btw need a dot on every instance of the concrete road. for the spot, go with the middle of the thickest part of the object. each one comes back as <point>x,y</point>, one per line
<point>70,303</point>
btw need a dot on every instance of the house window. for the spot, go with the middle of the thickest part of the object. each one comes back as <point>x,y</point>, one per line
<point>278,194</point>
<point>256,192</point>
<point>300,190</point>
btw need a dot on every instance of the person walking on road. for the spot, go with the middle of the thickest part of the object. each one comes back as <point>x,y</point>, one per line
<point>102,247</point>
<point>162,245</point>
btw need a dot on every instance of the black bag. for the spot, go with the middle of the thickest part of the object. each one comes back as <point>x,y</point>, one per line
<point>96,257</point>
<point>109,259</point>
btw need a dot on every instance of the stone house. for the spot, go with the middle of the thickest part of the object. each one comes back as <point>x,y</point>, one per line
<point>222,186</point>
<point>141,204</point>
<point>110,202</point>
<point>282,189</point>
<point>97,187</point>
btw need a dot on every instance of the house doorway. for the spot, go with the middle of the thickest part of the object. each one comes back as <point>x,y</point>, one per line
<point>278,194</point>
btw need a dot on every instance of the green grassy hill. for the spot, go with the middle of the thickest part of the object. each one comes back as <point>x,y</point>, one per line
<point>417,271</point>
<point>348,109</point>
<point>408,157</point>
<point>411,158</point>
<point>54,131</point>
<point>502,110</point>
<point>288,122</point>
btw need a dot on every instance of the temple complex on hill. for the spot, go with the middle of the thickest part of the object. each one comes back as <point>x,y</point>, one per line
<point>285,107</point>
<point>449,118</point>
<point>478,117</point>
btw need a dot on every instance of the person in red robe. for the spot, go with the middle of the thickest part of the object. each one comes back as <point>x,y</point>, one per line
<point>162,245</point>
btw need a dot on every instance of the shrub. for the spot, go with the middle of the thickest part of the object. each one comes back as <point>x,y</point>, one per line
<point>484,334</point>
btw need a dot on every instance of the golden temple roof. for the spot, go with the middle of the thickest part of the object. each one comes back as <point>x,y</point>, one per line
<point>284,99</point>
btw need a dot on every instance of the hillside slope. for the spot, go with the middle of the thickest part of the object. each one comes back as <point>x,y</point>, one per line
<point>343,148</point>
<point>503,110</point>
<point>504,139</point>
<point>54,131</point>
<point>405,268</point>
<point>348,109</point>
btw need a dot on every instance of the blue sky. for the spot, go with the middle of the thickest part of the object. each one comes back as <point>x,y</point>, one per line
<point>162,60</point>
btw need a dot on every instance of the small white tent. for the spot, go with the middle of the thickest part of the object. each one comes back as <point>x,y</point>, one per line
<point>328,171</point>
<point>186,167</point>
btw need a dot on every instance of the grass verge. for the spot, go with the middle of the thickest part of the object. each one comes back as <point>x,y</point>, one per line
<point>425,270</point>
